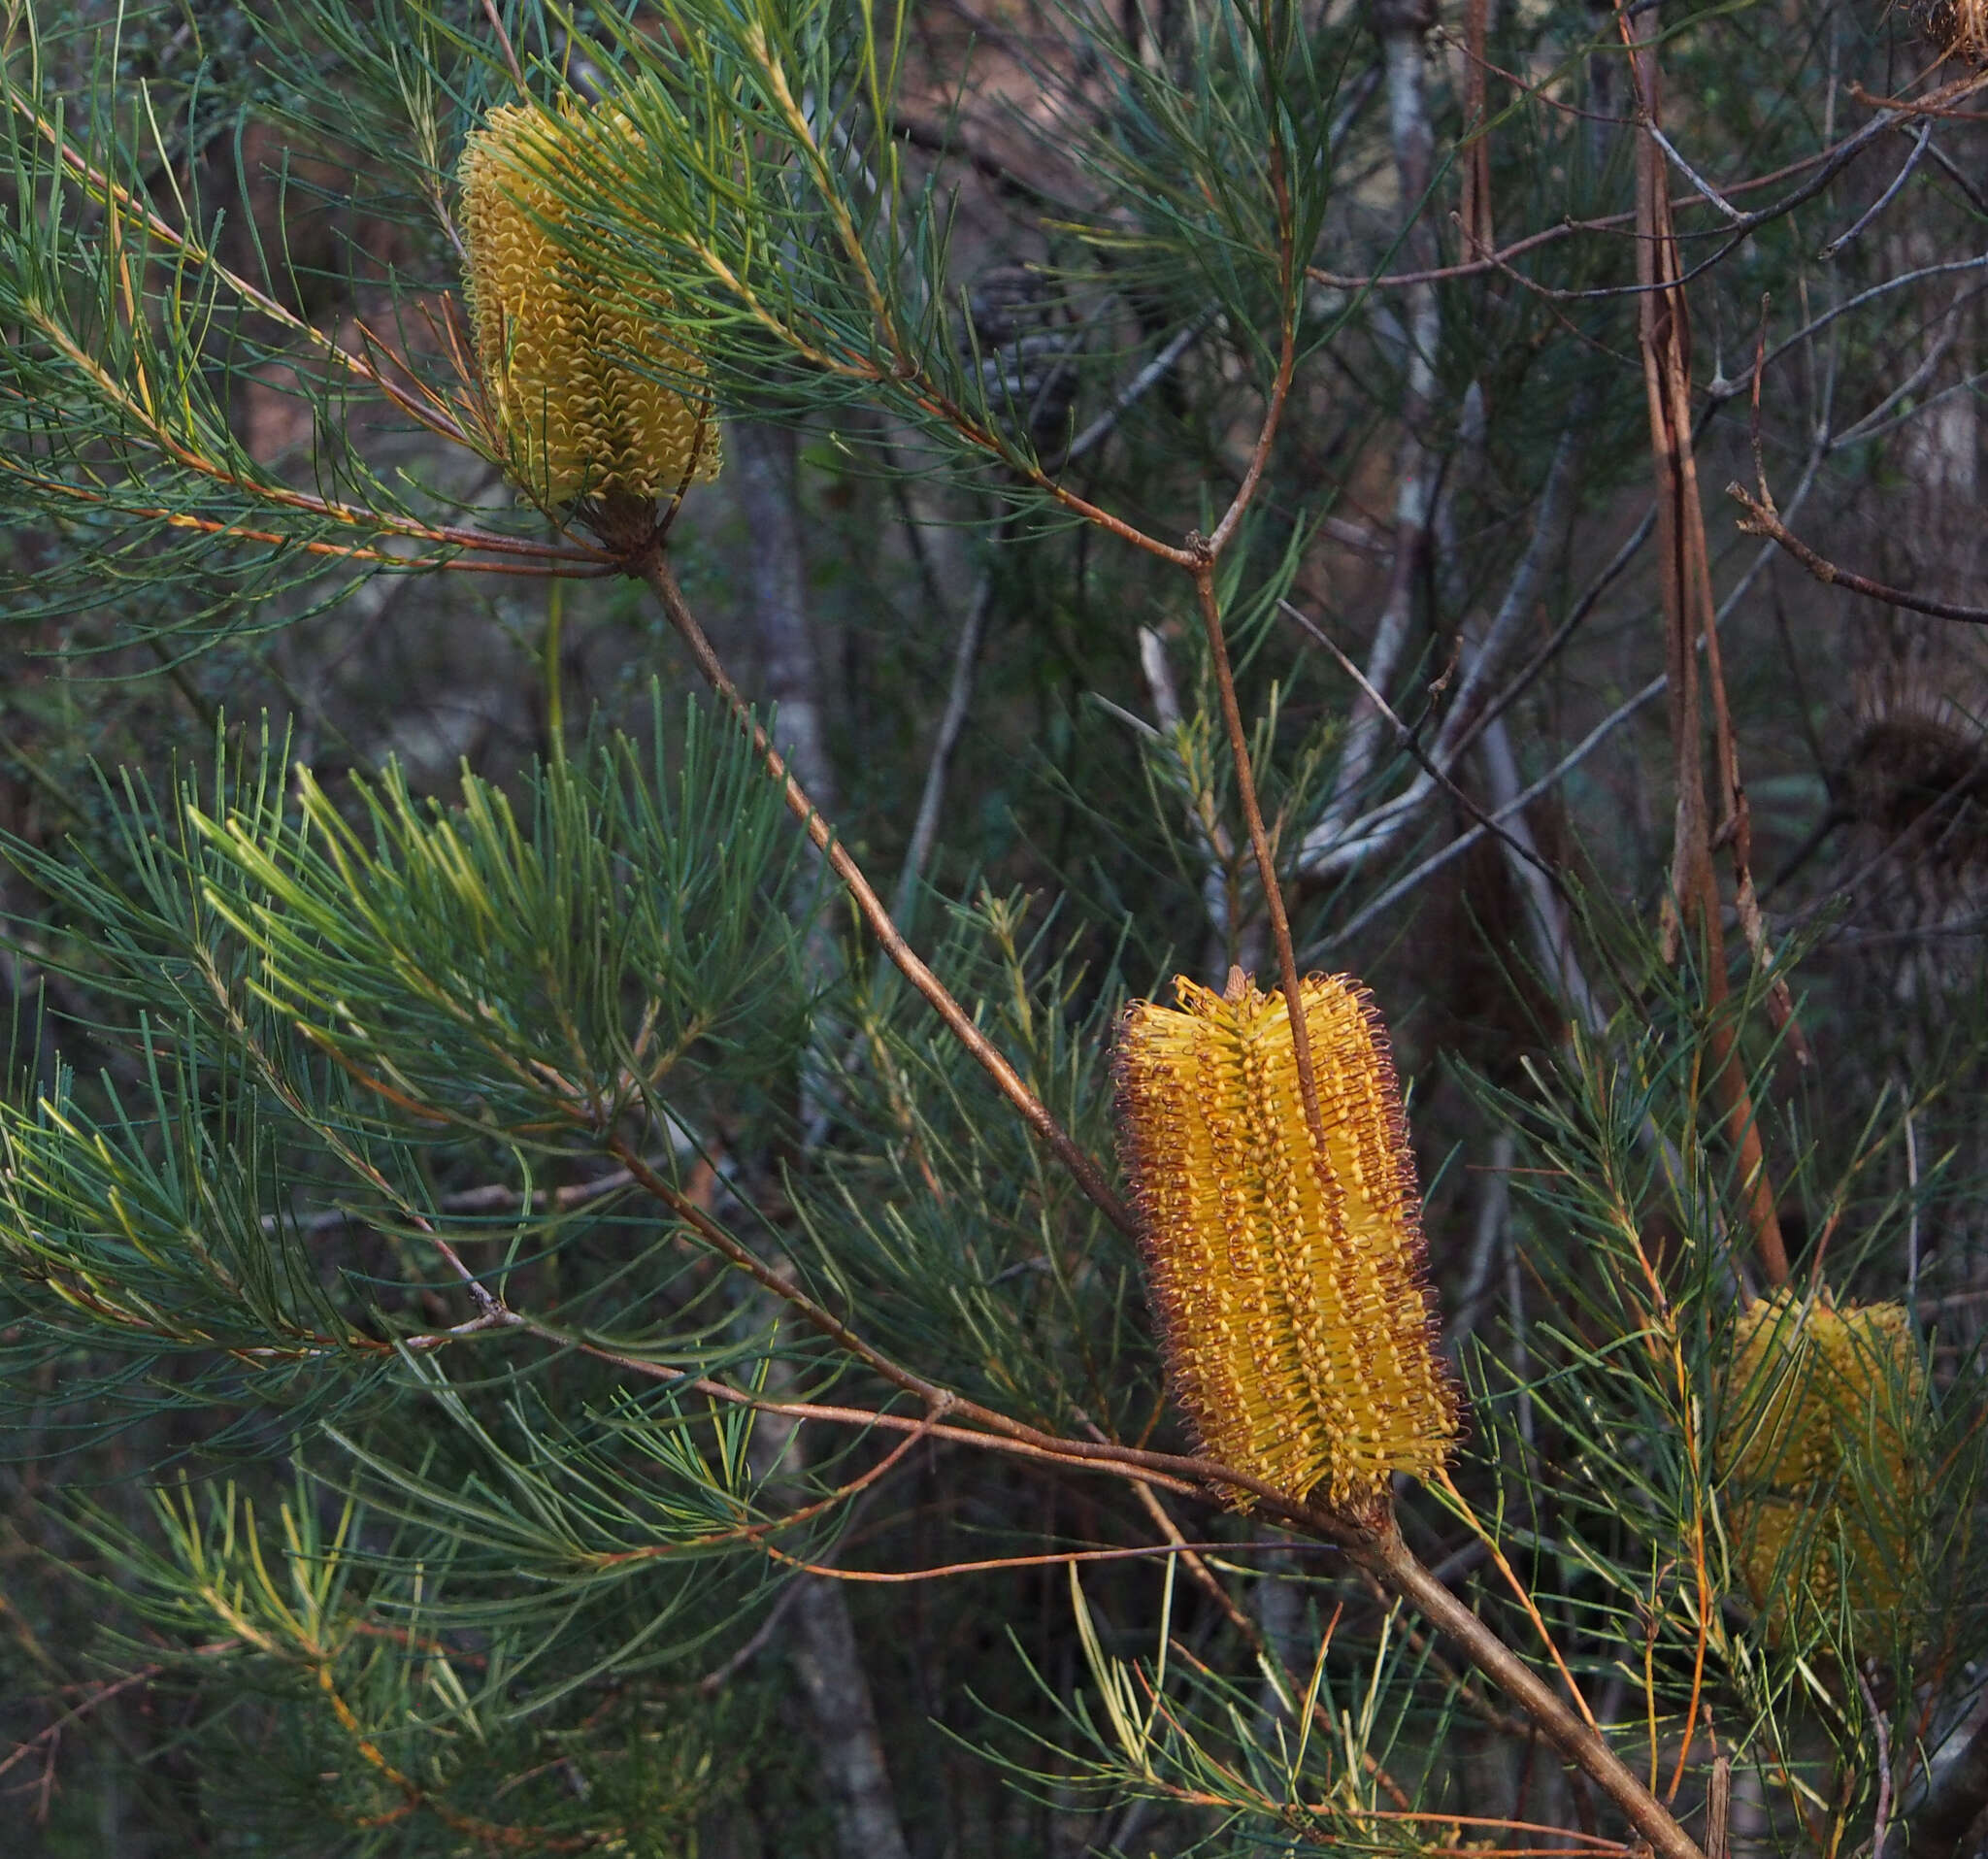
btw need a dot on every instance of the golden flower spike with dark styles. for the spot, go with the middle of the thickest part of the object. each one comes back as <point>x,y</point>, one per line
<point>586,388</point>
<point>1288,1284</point>
<point>1817,1459</point>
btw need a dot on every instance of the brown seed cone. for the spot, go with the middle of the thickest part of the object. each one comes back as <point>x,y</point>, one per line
<point>1287,1285</point>
<point>1958,27</point>
<point>590,395</point>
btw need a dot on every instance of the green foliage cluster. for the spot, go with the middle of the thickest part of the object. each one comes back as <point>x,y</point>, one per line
<point>480,1256</point>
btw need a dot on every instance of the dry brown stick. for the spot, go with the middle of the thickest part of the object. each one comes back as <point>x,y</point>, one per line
<point>649,565</point>
<point>1762,519</point>
<point>496,20</point>
<point>1664,334</point>
<point>1780,1003</point>
<point>1734,829</point>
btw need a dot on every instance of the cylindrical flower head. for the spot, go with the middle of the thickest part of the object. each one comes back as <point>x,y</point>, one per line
<point>1815,1447</point>
<point>1794,1557</point>
<point>586,386</point>
<point>1814,1393</point>
<point>1287,1284</point>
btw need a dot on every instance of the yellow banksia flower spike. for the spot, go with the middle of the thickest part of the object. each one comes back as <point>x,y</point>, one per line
<point>589,394</point>
<point>1287,1284</point>
<point>1816,1453</point>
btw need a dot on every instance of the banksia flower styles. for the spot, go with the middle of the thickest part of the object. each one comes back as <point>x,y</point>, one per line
<point>578,372</point>
<point>1287,1283</point>
<point>1816,1450</point>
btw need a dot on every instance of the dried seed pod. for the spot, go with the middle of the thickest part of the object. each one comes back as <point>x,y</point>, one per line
<point>1958,27</point>
<point>1287,1284</point>
<point>1815,1446</point>
<point>1794,1559</point>
<point>590,396</point>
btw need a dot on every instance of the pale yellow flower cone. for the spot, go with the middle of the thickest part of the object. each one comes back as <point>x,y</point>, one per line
<point>1815,1452</point>
<point>591,396</point>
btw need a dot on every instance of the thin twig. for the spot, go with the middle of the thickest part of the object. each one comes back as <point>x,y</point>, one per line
<point>496,20</point>
<point>1880,1731</point>
<point>959,697</point>
<point>1135,391</point>
<point>1912,1229</point>
<point>1763,519</point>
<point>1883,200</point>
<point>1954,173</point>
<point>99,1697</point>
<point>1412,743</point>
<point>714,1680</point>
<point>1828,163</point>
<point>1334,842</point>
<point>1696,178</point>
<point>1266,858</point>
<point>1421,874</point>
<point>650,565</point>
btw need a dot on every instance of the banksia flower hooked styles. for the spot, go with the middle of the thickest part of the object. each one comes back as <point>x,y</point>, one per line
<point>587,390</point>
<point>1287,1283</point>
<point>1816,1450</point>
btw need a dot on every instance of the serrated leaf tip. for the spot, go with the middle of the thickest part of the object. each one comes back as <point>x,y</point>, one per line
<point>1287,1283</point>
<point>590,394</point>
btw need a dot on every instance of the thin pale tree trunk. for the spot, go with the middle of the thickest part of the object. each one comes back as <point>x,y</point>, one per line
<point>824,1650</point>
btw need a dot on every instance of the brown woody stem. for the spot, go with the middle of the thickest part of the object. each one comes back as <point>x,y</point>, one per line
<point>1259,839</point>
<point>1396,1564</point>
<point>648,564</point>
<point>1762,519</point>
<point>1684,563</point>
